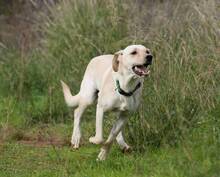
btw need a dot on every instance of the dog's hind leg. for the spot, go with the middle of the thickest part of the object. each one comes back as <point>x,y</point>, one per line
<point>123,145</point>
<point>75,140</point>
<point>84,101</point>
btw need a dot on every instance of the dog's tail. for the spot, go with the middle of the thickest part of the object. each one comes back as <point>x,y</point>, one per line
<point>71,101</point>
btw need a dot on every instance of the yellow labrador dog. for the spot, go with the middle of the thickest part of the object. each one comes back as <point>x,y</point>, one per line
<point>116,81</point>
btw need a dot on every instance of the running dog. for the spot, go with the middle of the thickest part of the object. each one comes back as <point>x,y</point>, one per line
<point>116,81</point>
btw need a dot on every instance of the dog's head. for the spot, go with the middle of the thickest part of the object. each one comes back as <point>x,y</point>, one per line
<point>135,59</point>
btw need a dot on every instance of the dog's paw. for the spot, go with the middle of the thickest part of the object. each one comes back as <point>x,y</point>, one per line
<point>127,150</point>
<point>75,142</point>
<point>95,140</point>
<point>102,155</point>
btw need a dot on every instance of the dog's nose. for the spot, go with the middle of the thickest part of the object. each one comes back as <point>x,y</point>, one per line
<point>149,59</point>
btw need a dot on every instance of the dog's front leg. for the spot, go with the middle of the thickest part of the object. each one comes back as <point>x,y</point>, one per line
<point>123,145</point>
<point>114,132</point>
<point>98,138</point>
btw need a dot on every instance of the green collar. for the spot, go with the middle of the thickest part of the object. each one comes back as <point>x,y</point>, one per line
<point>122,92</point>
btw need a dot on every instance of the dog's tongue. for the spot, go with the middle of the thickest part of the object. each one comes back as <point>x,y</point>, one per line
<point>142,70</point>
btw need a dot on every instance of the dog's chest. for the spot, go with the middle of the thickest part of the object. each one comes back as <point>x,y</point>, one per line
<point>128,103</point>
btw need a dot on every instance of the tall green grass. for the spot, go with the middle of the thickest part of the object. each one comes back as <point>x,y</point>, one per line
<point>184,83</point>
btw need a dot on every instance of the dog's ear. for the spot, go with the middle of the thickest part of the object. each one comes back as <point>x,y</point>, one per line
<point>115,61</point>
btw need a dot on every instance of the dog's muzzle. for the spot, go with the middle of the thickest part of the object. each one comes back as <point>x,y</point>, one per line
<point>143,70</point>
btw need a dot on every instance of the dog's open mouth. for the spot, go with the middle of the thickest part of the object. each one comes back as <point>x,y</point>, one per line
<point>141,70</point>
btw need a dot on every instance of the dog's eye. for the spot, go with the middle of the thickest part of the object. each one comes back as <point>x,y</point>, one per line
<point>134,52</point>
<point>148,52</point>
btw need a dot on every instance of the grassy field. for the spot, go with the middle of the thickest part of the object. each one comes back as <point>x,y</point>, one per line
<point>44,150</point>
<point>176,131</point>
<point>186,159</point>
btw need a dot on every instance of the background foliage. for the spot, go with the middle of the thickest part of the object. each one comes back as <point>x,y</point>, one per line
<point>181,94</point>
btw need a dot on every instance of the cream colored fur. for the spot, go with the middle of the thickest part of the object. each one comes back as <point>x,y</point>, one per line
<point>99,82</point>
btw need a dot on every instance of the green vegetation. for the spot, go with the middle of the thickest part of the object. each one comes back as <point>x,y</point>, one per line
<point>178,124</point>
<point>188,159</point>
